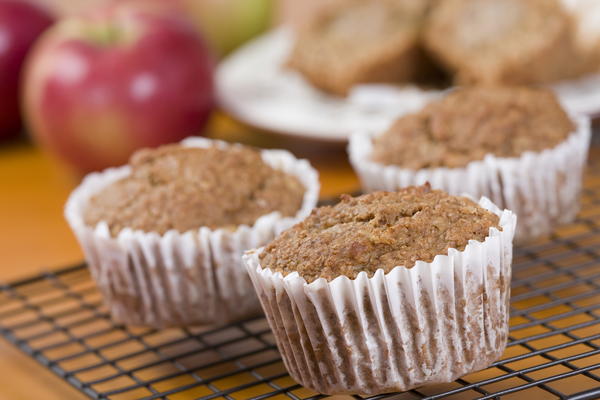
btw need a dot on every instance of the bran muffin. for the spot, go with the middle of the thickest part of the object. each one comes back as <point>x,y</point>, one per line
<point>470,123</point>
<point>357,41</point>
<point>185,188</point>
<point>380,230</point>
<point>503,41</point>
<point>164,235</point>
<point>388,291</point>
<point>514,145</point>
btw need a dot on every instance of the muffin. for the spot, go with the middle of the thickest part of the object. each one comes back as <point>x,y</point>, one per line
<point>503,41</point>
<point>356,41</point>
<point>164,235</point>
<point>586,13</point>
<point>388,291</point>
<point>513,145</point>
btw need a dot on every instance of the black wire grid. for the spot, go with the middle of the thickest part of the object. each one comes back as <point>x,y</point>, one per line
<point>553,353</point>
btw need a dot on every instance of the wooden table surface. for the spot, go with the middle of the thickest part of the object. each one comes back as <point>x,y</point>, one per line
<point>34,235</point>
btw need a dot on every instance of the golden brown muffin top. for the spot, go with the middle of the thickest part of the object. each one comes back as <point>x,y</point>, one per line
<point>469,123</point>
<point>378,230</point>
<point>185,188</point>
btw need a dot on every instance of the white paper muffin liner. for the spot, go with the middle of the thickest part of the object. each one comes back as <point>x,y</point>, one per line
<point>196,277</point>
<point>392,332</point>
<point>542,188</point>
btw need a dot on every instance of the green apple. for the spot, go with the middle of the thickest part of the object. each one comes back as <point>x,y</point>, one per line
<point>226,24</point>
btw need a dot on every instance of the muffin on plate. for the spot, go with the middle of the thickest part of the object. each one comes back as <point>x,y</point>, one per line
<point>388,291</point>
<point>586,13</point>
<point>503,41</point>
<point>513,145</point>
<point>164,235</point>
<point>357,41</point>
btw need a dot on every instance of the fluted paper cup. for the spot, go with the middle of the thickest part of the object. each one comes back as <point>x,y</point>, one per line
<point>177,279</point>
<point>427,324</point>
<point>542,188</point>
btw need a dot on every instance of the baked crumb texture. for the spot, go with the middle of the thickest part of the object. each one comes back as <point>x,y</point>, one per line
<point>380,230</point>
<point>190,275</point>
<point>391,332</point>
<point>185,188</point>
<point>469,123</point>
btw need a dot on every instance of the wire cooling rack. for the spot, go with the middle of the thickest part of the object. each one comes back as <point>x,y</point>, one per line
<point>554,350</point>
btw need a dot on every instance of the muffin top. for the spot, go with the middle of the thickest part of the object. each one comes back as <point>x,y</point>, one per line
<point>339,24</point>
<point>184,188</point>
<point>378,230</point>
<point>469,123</point>
<point>502,41</point>
<point>355,41</point>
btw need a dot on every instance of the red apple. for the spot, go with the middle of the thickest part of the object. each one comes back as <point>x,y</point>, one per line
<point>20,25</point>
<point>98,87</point>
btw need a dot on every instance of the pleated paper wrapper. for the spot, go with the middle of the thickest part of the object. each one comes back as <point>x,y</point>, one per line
<point>178,279</point>
<point>427,324</point>
<point>542,188</point>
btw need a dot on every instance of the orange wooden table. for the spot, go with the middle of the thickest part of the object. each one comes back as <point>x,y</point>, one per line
<point>34,235</point>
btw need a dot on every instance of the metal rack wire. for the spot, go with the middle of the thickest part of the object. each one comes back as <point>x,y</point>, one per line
<point>554,350</point>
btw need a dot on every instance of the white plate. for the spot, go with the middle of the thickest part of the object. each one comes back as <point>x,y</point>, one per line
<point>255,87</point>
